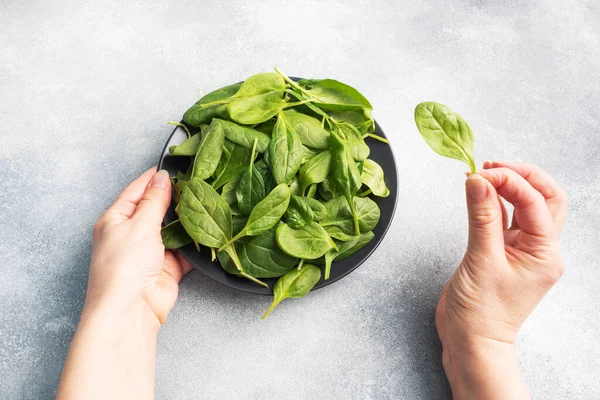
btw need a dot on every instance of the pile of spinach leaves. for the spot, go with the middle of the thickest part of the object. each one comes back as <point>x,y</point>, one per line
<point>279,179</point>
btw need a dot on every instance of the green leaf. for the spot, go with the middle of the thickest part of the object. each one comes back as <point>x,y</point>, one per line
<point>317,207</point>
<point>309,129</point>
<point>339,222</point>
<point>295,284</point>
<point>200,114</point>
<point>310,241</point>
<point>244,136</point>
<point>174,235</point>
<point>372,176</point>
<point>299,213</point>
<point>361,119</point>
<point>330,94</point>
<point>295,188</point>
<point>446,132</point>
<point>251,187</point>
<point>228,193</point>
<point>261,257</point>
<point>266,214</point>
<point>209,152</point>
<point>187,148</point>
<point>354,142</point>
<point>238,222</point>
<point>285,151</point>
<point>233,161</point>
<point>204,214</point>
<point>326,189</point>
<point>345,177</point>
<point>263,169</point>
<point>262,83</point>
<point>315,170</point>
<point>256,109</point>
<point>346,249</point>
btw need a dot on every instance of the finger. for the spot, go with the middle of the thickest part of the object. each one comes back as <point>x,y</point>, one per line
<point>485,217</point>
<point>185,264</point>
<point>530,209</point>
<point>125,205</point>
<point>504,213</point>
<point>173,267</point>
<point>542,182</point>
<point>154,203</point>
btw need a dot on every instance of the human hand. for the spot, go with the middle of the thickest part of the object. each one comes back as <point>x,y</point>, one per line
<point>506,270</point>
<point>129,262</point>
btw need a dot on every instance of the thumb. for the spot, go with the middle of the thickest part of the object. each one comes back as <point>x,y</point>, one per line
<point>156,199</point>
<point>485,217</point>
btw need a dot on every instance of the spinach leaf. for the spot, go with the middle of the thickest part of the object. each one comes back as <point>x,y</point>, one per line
<point>309,129</point>
<point>346,249</point>
<point>295,188</point>
<point>339,222</point>
<point>446,132</point>
<point>228,193</point>
<point>326,189</point>
<point>299,213</point>
<point>361,119</point>
<point>310,241</point>
<point>266,214</point>
<point>312,191</point>
<point>187,148</point>
<point>285,151</point>
<point>251,187</point>
<point>263,169</point>
<point>261,257</point>
<point>295,284</point>
<point>209,152</point>
<point>266,127</point>
<point>317,207</point>
<point>308,153</point>
<point>200,114</point>
<point>260,84</point>
<point>372,176</point>
<point>344,173</point>
<point>237,223</point>
<point>256,109</point>
<point>330,94</point>
<point>233,161</point>
<point>355,142</point>
<point>243,136</point>
<point>174,235</point>
<point>315,170</point>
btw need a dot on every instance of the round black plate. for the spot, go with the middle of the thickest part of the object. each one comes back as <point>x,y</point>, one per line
<point>380,152</point>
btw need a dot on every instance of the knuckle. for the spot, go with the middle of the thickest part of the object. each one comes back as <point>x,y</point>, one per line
<point>99,226</point>
<point>484,216</point>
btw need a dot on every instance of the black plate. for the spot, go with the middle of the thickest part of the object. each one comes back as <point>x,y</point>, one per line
<point>380,152</point>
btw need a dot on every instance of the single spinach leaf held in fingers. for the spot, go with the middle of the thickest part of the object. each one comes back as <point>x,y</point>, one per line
<point>446,132</point>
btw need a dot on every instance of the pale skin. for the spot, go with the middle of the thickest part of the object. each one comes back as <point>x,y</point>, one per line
<point>505,272</point>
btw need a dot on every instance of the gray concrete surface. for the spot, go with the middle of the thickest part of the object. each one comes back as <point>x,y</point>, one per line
<point>85,91</point>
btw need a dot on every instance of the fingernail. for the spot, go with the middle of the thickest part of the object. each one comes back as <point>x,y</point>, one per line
<point>161,179</point>
<point>476,187</point>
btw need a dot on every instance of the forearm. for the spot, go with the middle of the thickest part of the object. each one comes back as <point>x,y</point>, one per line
<point>484,369</point>
<point>112,355</point>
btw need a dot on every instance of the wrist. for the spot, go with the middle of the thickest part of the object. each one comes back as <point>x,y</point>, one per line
<point>479,367</point>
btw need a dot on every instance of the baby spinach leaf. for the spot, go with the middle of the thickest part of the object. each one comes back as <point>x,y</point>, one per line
<point>326,189</point>
<point>260,84</point>
<point>228,193</point>
<point>295,188</point>
<point>355,142</point>
<point>294,284</point>
<point>315,170</point>
<point>174,235</point>
<point>446,132</point>
<point>339,222</point>
<point>285,151</point>
<point>263,169</point>
<point>233,161</point>
<point>204,214</point>
<point>317,207</point>
<point>200,114</point>
<point>243,136</point>
<point>312,191</point>
<point>299,213</point>
<point>238,222</point>
<point>266,127</point>
<point>345,177</point>
<point>372,176</point>
<point>309,129</point>
<point>346,249</point>
<point>256,109</point>
<point>209,152</point>
<point>308,153</point>
<point>361,119</point>
<point>251,187</point>
<point>266,214</point>
<point>187,148</point>
<point>310,241</point>
<point>330,94</point>
<point>261,257</point>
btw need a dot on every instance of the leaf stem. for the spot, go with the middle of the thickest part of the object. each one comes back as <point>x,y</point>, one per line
<point>179,124</point>
<point>197,246</point>
<point>377,137</point>
<point>271,308</point>
<point>233,239</point>
<point>253,279</point>
<point>213,254</point>
<point>365,193</point>
<point>354,217</point>
<point>300,264</point>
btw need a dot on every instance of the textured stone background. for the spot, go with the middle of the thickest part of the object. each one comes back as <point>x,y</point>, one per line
<point>86,88</point>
